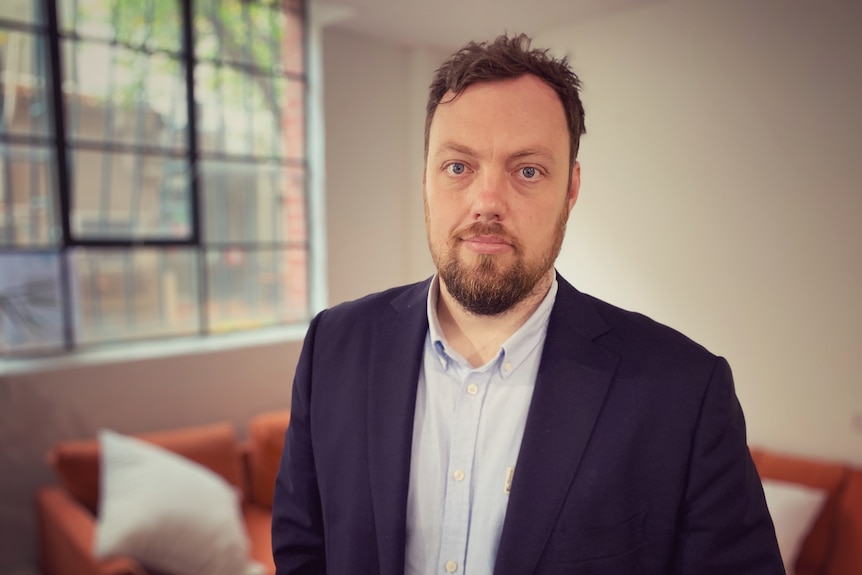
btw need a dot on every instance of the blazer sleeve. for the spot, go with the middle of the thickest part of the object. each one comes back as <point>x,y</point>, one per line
<point>297,518</point>
<point>725,524</point>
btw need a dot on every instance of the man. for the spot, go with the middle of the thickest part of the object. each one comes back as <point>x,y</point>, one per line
<point>493,419</point>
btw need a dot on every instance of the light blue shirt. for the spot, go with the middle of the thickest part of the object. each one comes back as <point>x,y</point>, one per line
<point>467,432</point>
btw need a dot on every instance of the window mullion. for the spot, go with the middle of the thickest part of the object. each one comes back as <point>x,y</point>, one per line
<point>193,156</point>
<point>62,174</point>
<point>7,197</point>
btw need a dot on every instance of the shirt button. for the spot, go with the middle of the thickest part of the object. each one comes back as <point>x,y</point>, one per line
<point>459,475</point>
<point>507,366</point>
<point>451,566</point>
<point>472,389</point>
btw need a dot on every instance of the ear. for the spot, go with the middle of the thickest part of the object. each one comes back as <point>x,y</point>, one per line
<point>575,186</point>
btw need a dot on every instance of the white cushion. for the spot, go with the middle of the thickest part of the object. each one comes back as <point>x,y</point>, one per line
<point>167,512</point>
<point>794,508</point>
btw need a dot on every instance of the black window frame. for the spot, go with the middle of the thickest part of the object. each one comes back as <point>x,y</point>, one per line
<point>58,142</point>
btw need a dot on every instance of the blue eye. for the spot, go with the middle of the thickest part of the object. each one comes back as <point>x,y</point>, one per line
<point>529,172</point>
<point>457,168</point>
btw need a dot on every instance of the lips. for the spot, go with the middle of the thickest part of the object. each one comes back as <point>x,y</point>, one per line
<point>484,238</point>
<point>487,244</point>
<point>487,239</point>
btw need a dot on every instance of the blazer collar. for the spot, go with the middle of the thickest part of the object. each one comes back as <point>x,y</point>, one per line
<point>397,340</point>
<point>573,379</point>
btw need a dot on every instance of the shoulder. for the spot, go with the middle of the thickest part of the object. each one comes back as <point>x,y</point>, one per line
<point>374,324</point>
<point>641,328</point>
<point>631,334</point>
<point>373,307</point>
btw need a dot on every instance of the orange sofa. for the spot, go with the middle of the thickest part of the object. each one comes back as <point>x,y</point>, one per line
<point>833,546</point>
<point>66,512</point>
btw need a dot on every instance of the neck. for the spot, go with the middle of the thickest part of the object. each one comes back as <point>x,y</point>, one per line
<point>478,337</point>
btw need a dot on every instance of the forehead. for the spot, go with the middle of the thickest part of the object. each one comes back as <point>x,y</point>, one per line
<point>519,112</point>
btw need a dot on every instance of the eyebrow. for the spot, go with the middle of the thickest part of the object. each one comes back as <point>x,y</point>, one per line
<point>539,151</point>
<point>460,148</point>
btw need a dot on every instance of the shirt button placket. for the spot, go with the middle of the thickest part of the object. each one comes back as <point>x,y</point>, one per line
<point>456,504</point>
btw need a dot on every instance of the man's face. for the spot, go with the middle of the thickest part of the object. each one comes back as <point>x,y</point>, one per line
<point>497,192</point>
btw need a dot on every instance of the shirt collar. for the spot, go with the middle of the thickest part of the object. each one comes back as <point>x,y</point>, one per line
<point>515,349</point>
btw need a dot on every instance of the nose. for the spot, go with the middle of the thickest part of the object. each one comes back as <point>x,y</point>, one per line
<point>489,200</point>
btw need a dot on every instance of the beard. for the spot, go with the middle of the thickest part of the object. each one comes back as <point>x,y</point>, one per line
<point>489,287</point>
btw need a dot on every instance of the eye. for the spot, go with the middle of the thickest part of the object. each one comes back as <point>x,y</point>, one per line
<point>456,168</point>
<point>529,172</point>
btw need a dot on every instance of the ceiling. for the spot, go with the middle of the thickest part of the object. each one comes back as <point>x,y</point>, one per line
<point>448,24</point>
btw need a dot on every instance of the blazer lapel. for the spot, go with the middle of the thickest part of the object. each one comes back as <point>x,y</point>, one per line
<point>396,355</point>
<point>571,384</point>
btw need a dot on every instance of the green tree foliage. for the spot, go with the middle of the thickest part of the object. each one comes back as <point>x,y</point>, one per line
<point>251,37</point>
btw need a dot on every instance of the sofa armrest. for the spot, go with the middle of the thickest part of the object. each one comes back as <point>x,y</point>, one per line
<point>266,442</point>
<point>66,534</point>
<point>847,547</point>
<point>829,476</point>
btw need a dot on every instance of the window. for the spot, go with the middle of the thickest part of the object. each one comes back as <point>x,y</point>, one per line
<point>152,170</point>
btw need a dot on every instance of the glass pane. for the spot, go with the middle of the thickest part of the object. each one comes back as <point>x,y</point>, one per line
<point>252,203</point>
<point>31,313</point>
<point>152,24</point>
<point>246,104</point>
<point>292,55</point>
<point>23,105</point>
<point>126,294</point>
<point>293,127</point>
<point>251,289</point>
<point>238,111</point>
<point>249,114</point>
<point>119,195</point>
<point>294,279</point>
<point>294,208</point>
<point>118,95</point>
<point>246,33</point>
<point>87,18</point>
<point>23,11</point>
<point>27,208</point>
<point>219,31</point>
<point>263,24</point>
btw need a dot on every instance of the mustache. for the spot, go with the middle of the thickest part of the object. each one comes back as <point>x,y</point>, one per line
<point>485,229</point>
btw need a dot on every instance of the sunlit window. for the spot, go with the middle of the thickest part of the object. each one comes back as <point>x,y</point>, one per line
<point>152,170</point>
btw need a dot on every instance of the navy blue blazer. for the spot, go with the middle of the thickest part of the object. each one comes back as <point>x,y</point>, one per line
<point>633,461</point>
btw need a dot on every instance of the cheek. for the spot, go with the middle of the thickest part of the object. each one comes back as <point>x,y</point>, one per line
<point>540,229</point>
<point>441,217</point>
<point>434,227</point>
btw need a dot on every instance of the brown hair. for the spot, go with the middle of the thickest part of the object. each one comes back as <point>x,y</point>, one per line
<point>507,58</point>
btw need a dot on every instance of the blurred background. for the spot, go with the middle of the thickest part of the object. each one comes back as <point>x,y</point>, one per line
<point>720,195</point>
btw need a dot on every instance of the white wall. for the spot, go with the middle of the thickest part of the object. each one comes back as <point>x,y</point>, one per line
<point>366,175</point>
<point>423,64</point>
<point>374,100</point>
<point>721,194</point>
